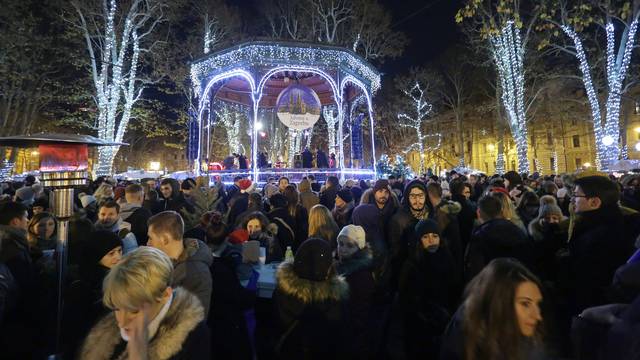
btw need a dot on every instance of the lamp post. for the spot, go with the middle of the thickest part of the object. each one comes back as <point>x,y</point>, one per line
<point>63,167</point>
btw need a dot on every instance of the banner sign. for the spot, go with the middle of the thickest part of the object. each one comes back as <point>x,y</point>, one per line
<point>356,137</point>
<point>298,107</point>
<point>63,157</point>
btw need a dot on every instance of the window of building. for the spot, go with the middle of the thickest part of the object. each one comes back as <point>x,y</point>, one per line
<point>513,165</point>
<point>484,146</point>
<point>486,167</point>
<point>552,163</point>
<point>533,139</point>
<point>578,163</point>
<point>574,122</point>
<point>576,141</point>
<point>549,138</point>
<point>182,157</point>
<point>469,146</point>
<point>175,157</point>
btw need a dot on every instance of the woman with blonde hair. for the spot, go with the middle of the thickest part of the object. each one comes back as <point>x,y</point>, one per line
<point>149,319</point>
<point>509,210</point>
<point>500,317</point>
<point>322,225</point>
<point>103,193</point>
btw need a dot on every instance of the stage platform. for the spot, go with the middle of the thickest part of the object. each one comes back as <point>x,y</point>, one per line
<point>294,174</point>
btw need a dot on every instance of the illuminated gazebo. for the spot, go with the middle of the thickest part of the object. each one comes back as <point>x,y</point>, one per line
<point>255,75</point>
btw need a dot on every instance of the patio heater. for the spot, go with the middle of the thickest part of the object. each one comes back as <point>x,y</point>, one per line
<point>63,167</point>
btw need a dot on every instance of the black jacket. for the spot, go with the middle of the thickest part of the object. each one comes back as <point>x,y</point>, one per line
<point>466,219</point>
<point>328,197</point>
<point>597,247</point>
<point>138,218</point>
<point>494,239</point>
<point>176,202</point>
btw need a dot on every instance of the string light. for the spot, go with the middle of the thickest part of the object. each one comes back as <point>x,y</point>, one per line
<point>500,164</point>
<point>607,133</point>
<point>508,54</point>
<point>6,169</point>
<point>555,162</point>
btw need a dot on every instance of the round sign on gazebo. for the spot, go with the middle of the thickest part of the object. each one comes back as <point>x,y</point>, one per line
<point>293,84</point>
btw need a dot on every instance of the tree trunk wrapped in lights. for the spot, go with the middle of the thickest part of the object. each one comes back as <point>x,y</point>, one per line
<point>508,55</point>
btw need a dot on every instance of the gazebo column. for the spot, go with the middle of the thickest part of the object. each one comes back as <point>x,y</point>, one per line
<point>373,143</point>
<point>340,138</point>
<point>254,139</point>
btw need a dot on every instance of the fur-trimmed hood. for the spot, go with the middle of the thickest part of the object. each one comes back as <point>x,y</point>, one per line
<point>450,207</point>
<point>183,316</point>
<point>335,288</point>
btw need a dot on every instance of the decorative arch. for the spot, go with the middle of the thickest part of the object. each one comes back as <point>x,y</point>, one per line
<point>334,87</point>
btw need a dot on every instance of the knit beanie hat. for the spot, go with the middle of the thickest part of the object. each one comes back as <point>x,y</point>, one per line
<point>85,199</point>
<point>549,209</point>
<point>313,260</point>
<point>426,226</point>
<point>345,195</point>
<point>381,184</point>
<point>99,244</point>
<point>26,195</point>
<point>270,190</point>
<point>354,233</point>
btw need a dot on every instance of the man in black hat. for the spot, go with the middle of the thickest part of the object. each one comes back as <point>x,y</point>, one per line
<point>343,208</point>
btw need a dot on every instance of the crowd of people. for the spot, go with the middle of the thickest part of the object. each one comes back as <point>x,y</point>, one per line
<point>459,267</point>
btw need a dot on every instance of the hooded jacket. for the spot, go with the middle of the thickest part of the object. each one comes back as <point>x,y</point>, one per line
<point>176,202</point>
<point>182,334</point>
<point>137,216</point>
<point>387,211</point>
<point>312,316</point>
<point>191,271</point>
<point>446,215</point>
<point>401,228</point>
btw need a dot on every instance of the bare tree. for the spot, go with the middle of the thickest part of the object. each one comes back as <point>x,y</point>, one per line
<point>115,40</point>
<point>332,16</point>
<point>371,33</point>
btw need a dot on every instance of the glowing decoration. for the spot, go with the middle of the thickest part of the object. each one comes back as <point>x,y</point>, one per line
<point>258,62</point>
<point>508,55</point>
<point>617,65</point>
<point>422,109</point>
<point>230,117</point>
<point>383,167</point>
<point>330,116</point>
<point>624,153</point>
<point>537,166</point>
<point>401,168</point>
<point>637,147</point>
<point>5,170</point>
<point>500,164</point>
<point>555,162</point>
<point>298,107</point>
<point>154,166</point>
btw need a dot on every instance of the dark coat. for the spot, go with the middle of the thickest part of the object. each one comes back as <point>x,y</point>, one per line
<point>191,271</point>
<point>343,216</point>
<point>307,159</point>
<point>321,160</point>
<point>176,202</point>
<point>466,219</point>
<point>182,334</point>
<point>427,289</point>
<point>328,197</point>
<point>446,215</point>
<point>286,233</point>
<point>494,239</point>
<point>8,292</point>
<point>229,301</point>
<point>301,226</point>
<point>358,272</point>
<point>138,218</point>
<point>312,316</point>
<point>596,249</point>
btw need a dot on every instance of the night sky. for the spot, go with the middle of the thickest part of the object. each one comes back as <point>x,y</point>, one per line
<point>429,25</point>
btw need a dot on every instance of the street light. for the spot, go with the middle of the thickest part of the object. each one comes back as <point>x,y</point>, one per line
<point>637,129</point>
<point>637,146</point>
<point>491,147</point>
<point>258,126</point>
<point>587,165</point>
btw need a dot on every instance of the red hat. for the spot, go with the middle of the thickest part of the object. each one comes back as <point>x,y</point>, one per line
<point>500,189</point>
<point>244,184</point>
<point>238,236</point>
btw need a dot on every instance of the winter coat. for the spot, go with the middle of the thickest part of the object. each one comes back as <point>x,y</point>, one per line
<point>307,159</point>
<point>343,216</point>
<point>191,271</point>
<point>268,240</point>
<point>229,301</point>
<point>400,231</point>
<point>427,290</point>
<point>182,334</point>
<point>626,282</point>
<point>312,316</point>
<point>357,270</point>
<point>466,219</point>
<point>446,215</point>
<point>368,216</point>
<point>301,226</point>
<point>138,217</point>
<point>596,249</point>
<point>547,240</point>
<point>321,160</point>
<point>494,239</point>
<point>8,292</point>
<point>453,342</point>
<point>328,197</point>
<point>238,204</point>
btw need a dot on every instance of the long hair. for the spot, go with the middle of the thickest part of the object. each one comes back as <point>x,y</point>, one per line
<point>322,224</point>
<point>33,236</point>
<point>508,210</point>
<point>490,324</point>
<point>528,197</point>
<point>293,198</point>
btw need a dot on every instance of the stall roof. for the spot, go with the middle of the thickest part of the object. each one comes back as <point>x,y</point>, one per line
<point>54,138</point>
